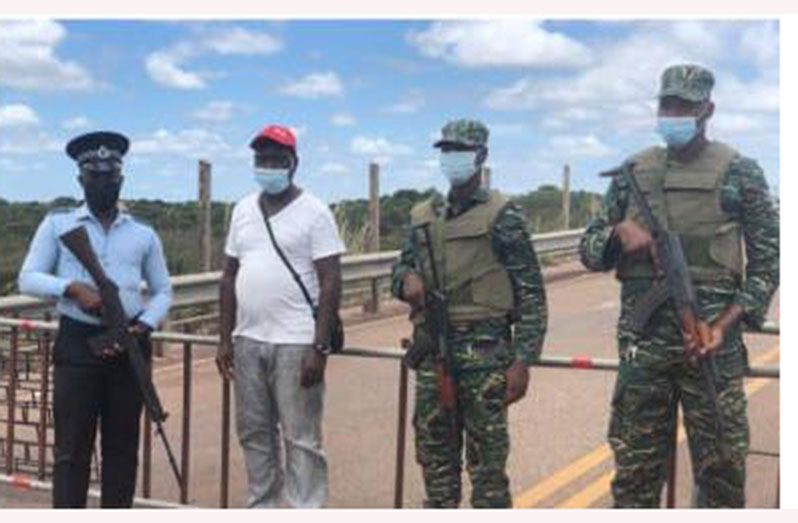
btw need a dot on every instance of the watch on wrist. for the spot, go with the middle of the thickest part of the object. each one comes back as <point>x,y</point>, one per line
<point>322,348</point>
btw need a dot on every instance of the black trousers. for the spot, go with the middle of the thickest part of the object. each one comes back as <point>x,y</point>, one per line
<point>86,389</point>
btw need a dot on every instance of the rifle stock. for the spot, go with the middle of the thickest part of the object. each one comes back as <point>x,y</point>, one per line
<point>435,334</point>
<point>78,243</point>
<point>439,318</point>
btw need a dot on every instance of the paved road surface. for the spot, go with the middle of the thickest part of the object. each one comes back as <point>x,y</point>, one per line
<point>558,456</point>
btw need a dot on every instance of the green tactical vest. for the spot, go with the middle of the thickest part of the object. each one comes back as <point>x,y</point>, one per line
<point>476,284</point>
<point>686,199</point>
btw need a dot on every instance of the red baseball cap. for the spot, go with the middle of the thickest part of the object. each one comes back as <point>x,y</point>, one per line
<point>275,133</point>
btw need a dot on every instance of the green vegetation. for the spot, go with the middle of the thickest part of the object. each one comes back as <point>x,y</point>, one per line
<point>543,208</point>
<point>177,224</point>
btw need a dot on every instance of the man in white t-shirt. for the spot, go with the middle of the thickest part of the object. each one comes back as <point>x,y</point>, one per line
<point>270,343</point>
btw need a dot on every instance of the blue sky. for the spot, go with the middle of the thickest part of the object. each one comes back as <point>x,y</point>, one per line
<point>552,92</point>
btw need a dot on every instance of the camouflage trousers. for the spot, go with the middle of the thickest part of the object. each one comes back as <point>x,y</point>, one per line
<point>650,379</point>
<point>481,419</point>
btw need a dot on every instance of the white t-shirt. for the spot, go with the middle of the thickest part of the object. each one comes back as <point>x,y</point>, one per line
<point>270,305</point>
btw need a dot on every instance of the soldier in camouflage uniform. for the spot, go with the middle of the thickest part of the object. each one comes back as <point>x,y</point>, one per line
<point>718,201</point>
<point>496,322</point>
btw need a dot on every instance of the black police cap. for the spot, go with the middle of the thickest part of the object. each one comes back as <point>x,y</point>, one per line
<point>100,146</point>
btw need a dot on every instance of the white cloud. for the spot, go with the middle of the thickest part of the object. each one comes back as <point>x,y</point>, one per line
<point>761,42</point>
<point>596,85</point>
<point>570,115</point>
<point>726,123</point>
<point>167,67</point>
<point>692,33</point>
<point>315,85</point>
<point>17,115</point>
<point>78,122</point>
<point>580,114</point>
<point>342,120</point>
<point>334,168</point>
<point>215,111</point>
<point>190,143</point>
<point>299,131</point>
<point>624,70</point>
<point>500,43</point>
<point>413,101</point>
<point>378,149</point>
<point>617,93</point>
<point>28,143</point>
<point>507,129</point>
<point>26,167</point>
<point>28,58</point>
<point>238,40</point>
<point>578,146</point>
<point>758,95</point>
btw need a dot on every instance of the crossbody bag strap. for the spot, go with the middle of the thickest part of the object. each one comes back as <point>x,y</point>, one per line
<point>288,265</point>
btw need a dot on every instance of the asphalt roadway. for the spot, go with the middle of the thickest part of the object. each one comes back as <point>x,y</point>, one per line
<point>558,456</point>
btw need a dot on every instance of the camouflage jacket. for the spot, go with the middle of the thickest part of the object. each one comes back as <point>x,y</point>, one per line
<point>513,249</point>
<point>745,197</point>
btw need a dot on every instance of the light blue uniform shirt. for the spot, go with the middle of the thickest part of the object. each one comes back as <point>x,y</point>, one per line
<point>129,252</point>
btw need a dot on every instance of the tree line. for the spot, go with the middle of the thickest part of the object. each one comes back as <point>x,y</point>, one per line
<point>177,224</point>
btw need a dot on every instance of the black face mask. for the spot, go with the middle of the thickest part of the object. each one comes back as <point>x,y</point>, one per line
<point>102,195</point>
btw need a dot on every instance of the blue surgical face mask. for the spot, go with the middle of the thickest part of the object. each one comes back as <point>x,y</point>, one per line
<point>272,181</point>
<point>458,166</point>
<point>677,131</point>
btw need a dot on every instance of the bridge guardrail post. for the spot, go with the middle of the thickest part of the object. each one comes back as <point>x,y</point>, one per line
<point>224,494</point>
<point>401,429</point>
<point>186,429</point>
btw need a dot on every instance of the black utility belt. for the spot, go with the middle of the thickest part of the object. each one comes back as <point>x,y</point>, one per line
<point>72,342</point>
<point>79,328</point>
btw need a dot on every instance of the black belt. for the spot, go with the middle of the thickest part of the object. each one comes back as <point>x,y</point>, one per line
<point>72,348</point>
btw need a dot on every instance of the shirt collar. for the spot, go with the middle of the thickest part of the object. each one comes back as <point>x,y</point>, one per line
<point>84,214</point>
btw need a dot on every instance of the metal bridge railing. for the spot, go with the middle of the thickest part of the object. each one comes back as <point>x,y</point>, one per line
<point>363,269</point>
<point>19,362</point>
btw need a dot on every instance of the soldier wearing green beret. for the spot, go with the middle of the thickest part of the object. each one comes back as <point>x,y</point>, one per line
<point>495,322</point>
<point>717,200</point>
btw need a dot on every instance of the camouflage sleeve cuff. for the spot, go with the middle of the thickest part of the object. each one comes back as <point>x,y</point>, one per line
<point>599,248</point>
<point>760,223</point>
<point>753,313</point>
<point>525,355</point>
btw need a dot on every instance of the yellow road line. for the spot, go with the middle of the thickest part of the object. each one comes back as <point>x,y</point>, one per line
<point>590,494</point>
<point>600,488</point>
<point>563,477</point>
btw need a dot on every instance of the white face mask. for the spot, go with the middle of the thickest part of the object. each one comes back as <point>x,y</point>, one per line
<point>677,131</point>
<point>273,181</point>
<point>458,166</point>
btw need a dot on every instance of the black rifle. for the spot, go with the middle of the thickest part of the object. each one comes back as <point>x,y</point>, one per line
<point>117,334</point>
<point>675,285</point>
<point>436,323</point>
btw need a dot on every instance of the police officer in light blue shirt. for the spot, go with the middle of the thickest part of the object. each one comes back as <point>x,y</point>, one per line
<point>87,388</point>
